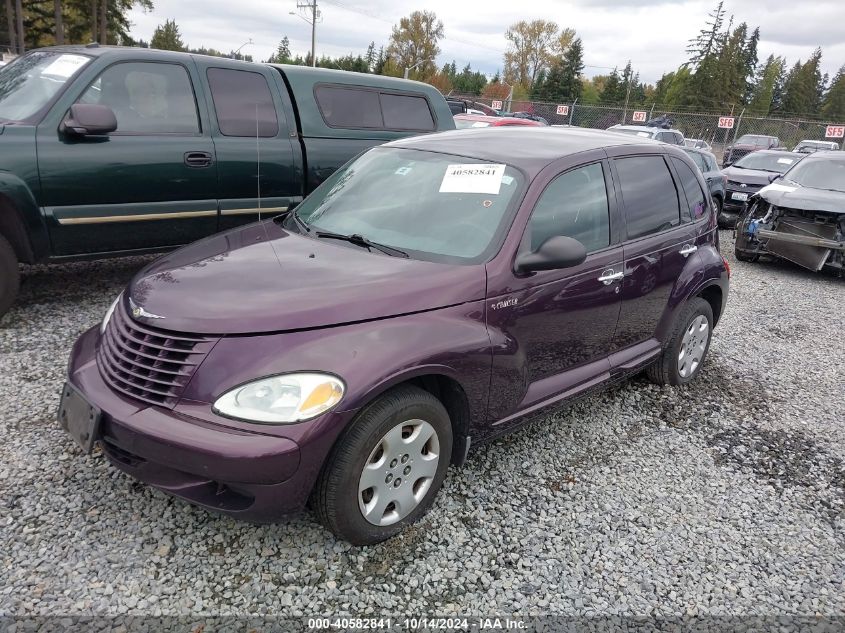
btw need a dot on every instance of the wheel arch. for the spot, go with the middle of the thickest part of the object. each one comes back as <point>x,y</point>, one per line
<point>441,382</point>
<point>21,222</point>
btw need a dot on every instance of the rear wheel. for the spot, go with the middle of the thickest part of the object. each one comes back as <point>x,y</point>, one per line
<point>385,471</point>
<point>10,277</point>
<point>681,361</point>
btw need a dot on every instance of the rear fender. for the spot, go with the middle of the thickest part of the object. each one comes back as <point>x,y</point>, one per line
<point>704,269</point>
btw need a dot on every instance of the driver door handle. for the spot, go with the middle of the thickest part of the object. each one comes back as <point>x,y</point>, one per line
<point>609,276</point>
<point>688,249</point>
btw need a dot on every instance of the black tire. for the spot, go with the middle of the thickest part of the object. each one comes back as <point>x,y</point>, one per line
<point>10,276</point>
<point>745,256</point>
<point>665,371</point>
<point>717,207</point>
<point>335,498</point>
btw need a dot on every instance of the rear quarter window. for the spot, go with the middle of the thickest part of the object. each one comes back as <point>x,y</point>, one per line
<point>696,198</point>
<point>406,112</point>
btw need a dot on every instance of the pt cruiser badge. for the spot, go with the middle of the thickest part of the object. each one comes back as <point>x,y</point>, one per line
<point>138,311</point>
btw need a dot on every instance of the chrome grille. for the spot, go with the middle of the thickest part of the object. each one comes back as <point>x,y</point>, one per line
<point>146,363</point>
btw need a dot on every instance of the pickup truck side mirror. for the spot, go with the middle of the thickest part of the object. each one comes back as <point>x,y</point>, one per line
<point>555,253</point>
<point>89,119</point>
<point>773,177</point>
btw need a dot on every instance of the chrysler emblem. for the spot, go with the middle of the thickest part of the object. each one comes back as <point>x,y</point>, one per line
<point>138,311</point>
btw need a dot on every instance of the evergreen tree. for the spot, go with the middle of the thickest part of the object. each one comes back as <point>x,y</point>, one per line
<point>167,37</point>
<point>833,108</point>
<point>764,93</point>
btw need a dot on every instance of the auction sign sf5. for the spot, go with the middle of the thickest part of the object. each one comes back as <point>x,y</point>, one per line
<point>834,131</point>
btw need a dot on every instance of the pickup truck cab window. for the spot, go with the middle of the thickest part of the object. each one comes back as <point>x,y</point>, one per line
<point>574,205</point>
<point>243,103</point>
<point>651,200</point>
<point>147,98</point>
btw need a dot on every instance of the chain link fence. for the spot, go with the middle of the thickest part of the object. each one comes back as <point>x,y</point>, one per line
<point>693,125</point>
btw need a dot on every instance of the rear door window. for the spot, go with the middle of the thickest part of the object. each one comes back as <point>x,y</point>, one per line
<point>243,103</point>
<point>696,198</point>
<point>648,190</point>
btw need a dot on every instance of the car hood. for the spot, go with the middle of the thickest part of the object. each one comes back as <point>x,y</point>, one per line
<point>748,176</point>
<point>262,278</point>
<point>792,196</point>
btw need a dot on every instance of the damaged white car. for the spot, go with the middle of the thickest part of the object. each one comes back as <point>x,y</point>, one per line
<point>799,217</point>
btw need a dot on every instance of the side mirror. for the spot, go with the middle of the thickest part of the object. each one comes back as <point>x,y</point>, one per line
<point>726,163</point>
<point>555,253</point>
<point>773,177</point>
<point>89,119</point>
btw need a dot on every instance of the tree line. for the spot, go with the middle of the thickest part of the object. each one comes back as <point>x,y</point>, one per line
<point>34,23</point>
<point>543,61</point>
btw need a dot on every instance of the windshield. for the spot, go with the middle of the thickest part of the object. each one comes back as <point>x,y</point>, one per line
<point>777,163</point>
<point>750,139</point>
<point>28,83</point>
<point>436,207</point>
<point>819,174</point>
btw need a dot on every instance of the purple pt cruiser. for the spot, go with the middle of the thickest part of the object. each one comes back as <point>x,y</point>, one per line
<point>432,294</point>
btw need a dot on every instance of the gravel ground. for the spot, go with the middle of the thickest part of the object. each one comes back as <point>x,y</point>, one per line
<point>721,498</point>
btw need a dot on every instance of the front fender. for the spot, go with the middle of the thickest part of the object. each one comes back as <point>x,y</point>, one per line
<point>370,357</point>
<point>704,269</point>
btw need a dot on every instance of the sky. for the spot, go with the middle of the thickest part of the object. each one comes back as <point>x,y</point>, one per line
<point>653,34</point>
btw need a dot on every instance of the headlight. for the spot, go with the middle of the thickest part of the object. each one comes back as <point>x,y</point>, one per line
<point>282,399</point>
<point>109,312</point>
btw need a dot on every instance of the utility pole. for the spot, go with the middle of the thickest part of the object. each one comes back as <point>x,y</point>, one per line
<point>311,6</point>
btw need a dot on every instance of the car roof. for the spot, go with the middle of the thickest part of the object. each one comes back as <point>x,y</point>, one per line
<point>528,148</point>
<point>773,152</point>
<point>830,155</point>
<point>645,128</point>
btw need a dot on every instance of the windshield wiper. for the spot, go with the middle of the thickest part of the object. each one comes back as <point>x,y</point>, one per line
<point>360,240</point>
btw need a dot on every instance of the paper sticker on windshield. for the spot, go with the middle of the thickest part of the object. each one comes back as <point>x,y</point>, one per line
<point>786,161</point>
<point>65,66</point>
<point>507,180</point>
<point>471,178</point>
<point>403,171</point>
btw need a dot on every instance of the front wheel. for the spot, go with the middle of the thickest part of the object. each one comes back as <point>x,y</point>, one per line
<point>385,471</point>
<point>681,360</point>
<point>10,276</point>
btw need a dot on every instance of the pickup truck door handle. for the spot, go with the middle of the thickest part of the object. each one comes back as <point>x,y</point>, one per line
<point>609,276</point>
<point>688,249</point>
<point>198,159</point>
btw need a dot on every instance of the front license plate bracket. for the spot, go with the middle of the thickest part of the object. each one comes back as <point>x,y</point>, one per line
<point>79,418</point>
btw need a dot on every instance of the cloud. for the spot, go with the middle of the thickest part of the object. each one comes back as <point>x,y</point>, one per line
<point>653,34</point>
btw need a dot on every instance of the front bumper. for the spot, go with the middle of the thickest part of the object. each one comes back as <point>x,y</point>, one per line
<point>250,475</point>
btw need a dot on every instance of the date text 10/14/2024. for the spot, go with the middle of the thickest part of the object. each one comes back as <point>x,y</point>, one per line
<point>418,624</point>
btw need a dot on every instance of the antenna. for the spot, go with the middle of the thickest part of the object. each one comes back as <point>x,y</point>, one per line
<point>258,161</point>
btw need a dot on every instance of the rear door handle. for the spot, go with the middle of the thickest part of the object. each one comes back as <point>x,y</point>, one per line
<point>609,276</point>
<point>198,159</point>
<point>688,249</point>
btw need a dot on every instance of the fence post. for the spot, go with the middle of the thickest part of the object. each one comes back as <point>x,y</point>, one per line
<point>651,113</point>
<point>572,111</point>
<point>736,127</point>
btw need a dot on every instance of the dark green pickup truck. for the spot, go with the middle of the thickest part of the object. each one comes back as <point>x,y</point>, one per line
<point>109,151</point>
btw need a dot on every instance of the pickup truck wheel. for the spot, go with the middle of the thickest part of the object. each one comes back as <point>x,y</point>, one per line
<point>681,360</point>
<point>10,276</point>
<point>386,469</point>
